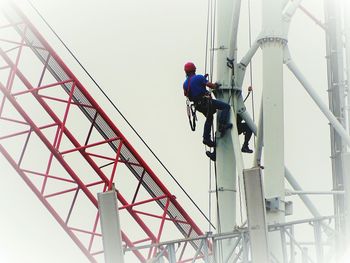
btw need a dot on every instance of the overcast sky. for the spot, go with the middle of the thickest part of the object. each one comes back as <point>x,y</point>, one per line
<point>136,51</point>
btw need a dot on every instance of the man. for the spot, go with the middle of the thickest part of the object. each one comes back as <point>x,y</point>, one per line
<point>195,89</point>
<point>242,127</point>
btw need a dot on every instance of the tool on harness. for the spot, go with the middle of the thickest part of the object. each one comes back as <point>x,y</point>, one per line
<point>191,113</point>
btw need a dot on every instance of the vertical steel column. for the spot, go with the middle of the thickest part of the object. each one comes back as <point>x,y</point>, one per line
<point>256,213</point>
<point>346,13</point>
<point>226,162</point>
<point>245,247</point>
<point>318,241</point>
<point>110,226</point>
<point>272,44</point>
<point>284,244</point>
<point>172,253</point>
<point>336,95</point>
<point>346,157</point>
<point>304,255</point>
<point>346,168</point>
<point>292,246</point>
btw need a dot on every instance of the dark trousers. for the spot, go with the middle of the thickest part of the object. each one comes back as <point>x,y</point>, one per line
<point>208,108</point>
<point>244,128</point>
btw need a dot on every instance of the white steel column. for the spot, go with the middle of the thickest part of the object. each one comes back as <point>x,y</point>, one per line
<point>346,167</point>
<point>336,91</point>
<point>110,226</point>
<point>272,45</point>
<point>347,54</point>
<point>225,157</point>
<point>256,215</point>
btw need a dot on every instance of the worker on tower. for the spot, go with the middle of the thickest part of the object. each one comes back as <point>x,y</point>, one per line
<point>195,89</point>
<point>242,127</point>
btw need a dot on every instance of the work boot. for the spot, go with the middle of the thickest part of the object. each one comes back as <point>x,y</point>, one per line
<point>209,142</point>
<point>245,148</point>
<point>211,155</point>
<point>223,127</point>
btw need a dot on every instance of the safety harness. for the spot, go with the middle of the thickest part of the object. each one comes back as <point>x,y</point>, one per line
<point>191,108</point>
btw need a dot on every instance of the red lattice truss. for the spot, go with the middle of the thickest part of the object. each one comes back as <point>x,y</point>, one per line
<point>66,149</point>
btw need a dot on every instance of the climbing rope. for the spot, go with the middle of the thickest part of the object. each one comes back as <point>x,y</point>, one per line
<point>212,25</point>
<point>207,38</point>
<point>251,63</point>
<point>209,67</point>
<point>212,30</point>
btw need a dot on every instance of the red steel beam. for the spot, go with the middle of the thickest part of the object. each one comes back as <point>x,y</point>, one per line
<point>124,152</point>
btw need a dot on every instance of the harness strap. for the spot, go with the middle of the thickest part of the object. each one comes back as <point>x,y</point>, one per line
<point>187,92</point>
<point>191,109</point>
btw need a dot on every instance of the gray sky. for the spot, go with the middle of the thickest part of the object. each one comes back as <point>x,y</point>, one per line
<point>136,51</point>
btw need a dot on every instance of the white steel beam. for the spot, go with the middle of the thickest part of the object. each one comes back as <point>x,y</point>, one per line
<point>228,12</point>
<point>110,226</point>
<point>347,54</point>
<point>272,44</point>
<point>336,98</point>
<point>256,215</point>
<point>346,168</point>
<point>323,107</point>
<point>290,192</point>
<point>259,141</point>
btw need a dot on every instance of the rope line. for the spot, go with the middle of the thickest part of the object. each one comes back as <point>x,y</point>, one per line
<point>211,70</point>
<point>120,113</point>
<point>251,63</point>
<point>212,12</point>
<point>212,30</point>
<point>209,196</point>
<point>207,39</point>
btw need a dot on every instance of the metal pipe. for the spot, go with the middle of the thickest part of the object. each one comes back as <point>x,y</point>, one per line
<point>259,142</point>
<point>291,180</point>
<point>290,9</point>
<point>251,52</point>
<point>323,107</point>
<point>234,29</point>
<point>318,242</point>
<point>314,192</point>
<point>110,226</point>
<point>287,14</point>
<point>241,68</point>
<point>347,55</point>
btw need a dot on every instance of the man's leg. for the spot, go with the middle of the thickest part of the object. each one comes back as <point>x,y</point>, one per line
<point>207,130</point>
<point>225,110</point>
<point>204,108</point>
<point>224,115</point>
<point>247,135</point>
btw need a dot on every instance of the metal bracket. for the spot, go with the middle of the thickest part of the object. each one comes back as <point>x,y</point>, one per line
<point>273,204</point>
<point>273,39</point>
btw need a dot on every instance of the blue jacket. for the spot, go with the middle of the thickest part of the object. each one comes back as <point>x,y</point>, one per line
<point>195,87</point>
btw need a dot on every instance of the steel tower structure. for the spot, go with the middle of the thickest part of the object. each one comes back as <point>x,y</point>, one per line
<point>40,108</point>
<point>273,41</point>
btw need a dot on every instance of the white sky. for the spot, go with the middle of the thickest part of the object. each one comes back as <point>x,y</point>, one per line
<point>136,51</point>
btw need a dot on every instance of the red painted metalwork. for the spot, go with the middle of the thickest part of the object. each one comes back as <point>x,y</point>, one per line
<point>70,167</point>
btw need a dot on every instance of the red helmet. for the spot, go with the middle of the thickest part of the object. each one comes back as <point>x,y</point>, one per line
<point>189,67</point>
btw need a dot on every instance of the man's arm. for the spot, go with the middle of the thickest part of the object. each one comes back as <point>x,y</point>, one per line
<point>213,85</point>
